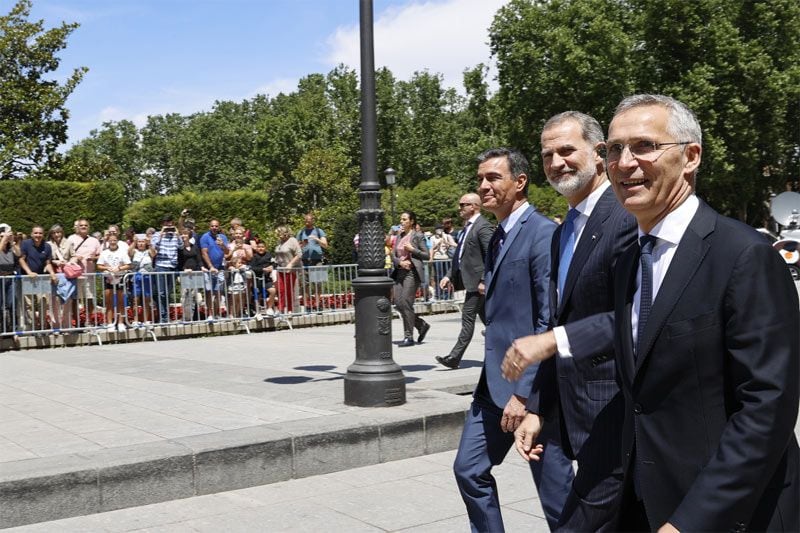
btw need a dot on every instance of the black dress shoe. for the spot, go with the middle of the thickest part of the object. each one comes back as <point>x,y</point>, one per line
<point>423,331</point>
<point>448,361</point>
<point>408,341</point>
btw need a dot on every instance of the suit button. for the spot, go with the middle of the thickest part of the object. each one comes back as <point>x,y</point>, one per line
<point>637,409</point>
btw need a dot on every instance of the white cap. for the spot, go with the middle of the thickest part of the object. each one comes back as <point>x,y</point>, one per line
<point>4,227</point>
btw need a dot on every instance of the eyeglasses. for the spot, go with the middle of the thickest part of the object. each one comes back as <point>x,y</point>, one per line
<point>645,150</point>
<point>465,204</point>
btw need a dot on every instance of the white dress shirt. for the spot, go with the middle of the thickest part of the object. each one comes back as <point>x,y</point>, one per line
<point>669,232</point>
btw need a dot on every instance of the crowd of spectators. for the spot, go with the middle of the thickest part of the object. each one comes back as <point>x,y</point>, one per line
<point>219,273</point>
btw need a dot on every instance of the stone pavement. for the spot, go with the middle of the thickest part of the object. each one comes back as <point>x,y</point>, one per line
<point>93,429</point>
<point>411,495</point>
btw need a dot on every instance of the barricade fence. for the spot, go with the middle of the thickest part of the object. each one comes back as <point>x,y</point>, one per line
<point>107,306</point>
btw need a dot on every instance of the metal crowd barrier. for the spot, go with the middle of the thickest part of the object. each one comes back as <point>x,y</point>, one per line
<point>108,307</point>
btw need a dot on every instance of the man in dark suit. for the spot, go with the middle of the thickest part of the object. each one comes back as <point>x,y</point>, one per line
<point>515,284</point>
<point>466,272</point>
<point>585,405</point>
<point>707,350</point>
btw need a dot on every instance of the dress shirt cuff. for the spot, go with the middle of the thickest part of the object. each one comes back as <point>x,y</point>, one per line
<point>562,342</point>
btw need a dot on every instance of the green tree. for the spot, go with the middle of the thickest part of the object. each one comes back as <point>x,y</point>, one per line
<point>109,154</point>
<point>736,63</point>
<point>431,200</point>
<point>33,116</point>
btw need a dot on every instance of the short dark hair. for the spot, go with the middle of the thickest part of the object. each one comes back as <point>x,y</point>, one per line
<point>517,163</point>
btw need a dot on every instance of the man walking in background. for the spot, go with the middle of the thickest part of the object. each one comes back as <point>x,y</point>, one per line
<point>466,272</point>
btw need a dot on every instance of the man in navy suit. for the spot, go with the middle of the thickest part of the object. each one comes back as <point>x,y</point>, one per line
<point>586,406</point>
<point>706,343</point>
<point>515,285</point>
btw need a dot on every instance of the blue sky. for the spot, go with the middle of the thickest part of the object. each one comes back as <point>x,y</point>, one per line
<point>150,57</point>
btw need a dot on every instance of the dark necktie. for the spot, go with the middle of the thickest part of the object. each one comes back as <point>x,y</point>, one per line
<point>457,257</point>
<point>565,249</point>
<point>646,243</point>
<point>494,245</point>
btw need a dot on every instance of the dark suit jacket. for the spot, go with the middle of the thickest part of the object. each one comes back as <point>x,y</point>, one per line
<point>517,301</point>
<point>711,399</point>
<point>471,266</point>
<point>586,310</point>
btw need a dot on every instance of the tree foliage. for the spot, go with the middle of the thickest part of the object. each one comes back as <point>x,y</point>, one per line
<point>33,116</point>
<point>736,63</point>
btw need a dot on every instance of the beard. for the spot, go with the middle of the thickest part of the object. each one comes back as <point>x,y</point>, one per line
<point>569,184</point>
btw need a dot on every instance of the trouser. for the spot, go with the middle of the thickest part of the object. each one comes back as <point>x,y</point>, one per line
<point>484,445</point>
<point>165,286</point>
<point>405,292</point>
<point>473,306</point>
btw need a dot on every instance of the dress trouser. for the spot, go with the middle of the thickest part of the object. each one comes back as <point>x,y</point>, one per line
<point>405,292</point>
<point>484,445</point>
<point>473,306</point>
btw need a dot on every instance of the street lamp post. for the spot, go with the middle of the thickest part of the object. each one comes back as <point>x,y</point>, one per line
<point>391,179</point>
<point>374,379</point>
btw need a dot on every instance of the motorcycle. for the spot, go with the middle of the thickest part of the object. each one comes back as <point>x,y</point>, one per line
<point>785,210</point>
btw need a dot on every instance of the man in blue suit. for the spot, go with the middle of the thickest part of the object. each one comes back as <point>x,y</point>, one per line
<point>517,304</point>
<point>584,251</point>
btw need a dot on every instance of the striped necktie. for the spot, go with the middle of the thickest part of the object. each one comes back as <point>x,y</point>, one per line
<point>647,242</point>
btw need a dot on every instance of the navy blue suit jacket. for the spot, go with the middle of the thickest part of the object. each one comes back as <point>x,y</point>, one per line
<point>711,399</point>
<point>517,301</point>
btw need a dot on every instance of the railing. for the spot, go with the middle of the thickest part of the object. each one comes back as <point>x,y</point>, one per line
<point>108,307</point>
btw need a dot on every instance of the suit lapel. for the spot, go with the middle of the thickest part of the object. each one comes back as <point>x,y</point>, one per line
<point>509,240</point>
<point>589,239</point>
<point>690,253</point>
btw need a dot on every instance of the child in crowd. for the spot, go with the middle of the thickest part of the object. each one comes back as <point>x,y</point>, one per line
<point>262,267</point>
<point>114,262</point>
<point>141,254</point>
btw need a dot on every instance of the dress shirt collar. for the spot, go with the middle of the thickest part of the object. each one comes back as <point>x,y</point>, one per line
<point>672,227</point>
<point>586,206</point>
<point>508,223</point>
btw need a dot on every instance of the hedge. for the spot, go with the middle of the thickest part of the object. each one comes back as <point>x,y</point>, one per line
<point>25,203</point>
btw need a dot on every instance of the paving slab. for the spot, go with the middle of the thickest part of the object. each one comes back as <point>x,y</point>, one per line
<point>88,429</point>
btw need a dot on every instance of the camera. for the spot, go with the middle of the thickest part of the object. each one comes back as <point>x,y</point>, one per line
<point>169,229</point>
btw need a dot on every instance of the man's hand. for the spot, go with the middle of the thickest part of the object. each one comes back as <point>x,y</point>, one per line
<point>445,281</point>
<point>482,288</point>
<point>513,413</point>
<point>525,437</point>
<point>526,351</point>
<point>668,528</point>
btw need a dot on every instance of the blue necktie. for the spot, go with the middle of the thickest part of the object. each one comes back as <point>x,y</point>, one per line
<point>457,255</point>
<point>566,248</point>
<point>646,243</point>
<point>495,244</point>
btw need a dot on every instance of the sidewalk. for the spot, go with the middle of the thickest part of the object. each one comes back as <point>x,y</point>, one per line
<point>416,495</point>
<point>92,429</point>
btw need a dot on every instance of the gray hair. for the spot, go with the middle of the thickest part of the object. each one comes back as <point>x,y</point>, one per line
<point>590,128</point>
<point>517,163</point>
<point>682,123</point>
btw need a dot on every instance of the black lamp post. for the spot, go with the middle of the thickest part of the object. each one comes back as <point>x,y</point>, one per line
<point>374,379</point>
<point>391,179</point>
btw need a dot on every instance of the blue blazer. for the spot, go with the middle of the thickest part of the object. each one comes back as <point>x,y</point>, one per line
<point>517,301</point>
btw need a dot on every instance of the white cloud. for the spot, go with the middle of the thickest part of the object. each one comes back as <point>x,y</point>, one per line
<point>443,37</point>
<point>278,85</point>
